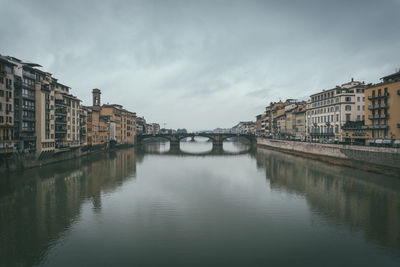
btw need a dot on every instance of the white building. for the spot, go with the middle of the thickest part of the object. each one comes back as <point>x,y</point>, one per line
<point>329,110</point>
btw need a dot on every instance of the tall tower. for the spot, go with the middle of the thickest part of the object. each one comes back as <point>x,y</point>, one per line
<point>96,98</point>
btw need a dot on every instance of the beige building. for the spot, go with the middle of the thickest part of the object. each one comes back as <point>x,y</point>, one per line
<point>382,116</point>
<point>6,106</point>
<point>109,123</point>
<point>329,110</point>
<point>299,123</point>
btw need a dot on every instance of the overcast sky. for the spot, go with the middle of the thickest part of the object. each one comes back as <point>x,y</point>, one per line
<point>203,64</point>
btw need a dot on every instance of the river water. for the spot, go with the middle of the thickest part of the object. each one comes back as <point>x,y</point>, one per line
<point>198,206</point>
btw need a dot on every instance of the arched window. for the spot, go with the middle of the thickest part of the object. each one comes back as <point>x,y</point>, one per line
<point>347,107</point>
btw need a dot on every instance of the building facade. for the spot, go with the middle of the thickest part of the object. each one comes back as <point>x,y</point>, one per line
<point>6,106</point>
<point>329,110</point>
<point>382,116</point>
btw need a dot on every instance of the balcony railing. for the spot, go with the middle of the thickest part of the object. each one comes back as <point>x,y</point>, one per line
<point>379,126</point>
<point>61,112</point>
<point>28,108</point>
<point>376,106</point>
<point>25,118</point>
<point>377,116</point>
<point>373,97</point>
<point>322,134</point>
<point>32,97</point>
<point>60,130</point>
<point>29,75</point>
<point>28,129</point>
<point>60,102</point>
<point>60,121</point>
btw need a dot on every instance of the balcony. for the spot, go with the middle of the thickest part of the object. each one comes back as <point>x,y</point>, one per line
<point>61,130</point>
<point>25,118</point>
<point>28,108</point>
<point>61,121</point>
<point>374,97</point>
<point>377,116</point>
<point>45,87</point>
<point>28,129</point>
<point>377,106</point>
<point>31,97</point>
<point>61,112</point>
<point>17,84</point>
<point>60,103</point>
<point>323,134</point>
<point>379,126</point>
<point>29,75</point>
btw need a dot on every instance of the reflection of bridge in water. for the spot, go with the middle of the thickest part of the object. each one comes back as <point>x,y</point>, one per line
<point>217,139</point>
<point>215,151</point>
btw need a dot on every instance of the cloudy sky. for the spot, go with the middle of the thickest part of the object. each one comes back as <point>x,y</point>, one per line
<point>203,64</point>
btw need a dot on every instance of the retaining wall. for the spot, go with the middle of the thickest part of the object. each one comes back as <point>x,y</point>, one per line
<point>376,156</point>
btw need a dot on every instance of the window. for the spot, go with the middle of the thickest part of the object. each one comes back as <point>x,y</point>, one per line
<point>358,99</point>
<point>358,117</point>
<point>358,108</point>
<point>347,117</point>
<point>348,99</point>
<point>337,117</point>
<point>347,108</point>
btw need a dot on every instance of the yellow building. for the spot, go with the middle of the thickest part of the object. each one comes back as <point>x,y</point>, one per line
<point>109,123</point>
<point>382,116</point>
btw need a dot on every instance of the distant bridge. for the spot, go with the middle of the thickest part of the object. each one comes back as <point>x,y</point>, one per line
<point>175,139</point>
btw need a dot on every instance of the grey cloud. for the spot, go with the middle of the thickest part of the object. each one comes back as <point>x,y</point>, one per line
<point>203,64</point>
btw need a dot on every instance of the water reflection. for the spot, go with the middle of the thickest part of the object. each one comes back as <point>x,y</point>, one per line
<point>151,206</point>
<point>194,148</point>
<point>37,206</point>
<point>361,201</point>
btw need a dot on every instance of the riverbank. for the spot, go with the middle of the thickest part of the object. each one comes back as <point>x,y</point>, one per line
<point>17,161</point>
<point>374,159</point>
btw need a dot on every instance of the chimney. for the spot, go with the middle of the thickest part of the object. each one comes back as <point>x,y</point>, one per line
<point>352,79</point>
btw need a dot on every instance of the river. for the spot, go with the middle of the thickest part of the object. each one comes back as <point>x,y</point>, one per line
<point>198,206</point>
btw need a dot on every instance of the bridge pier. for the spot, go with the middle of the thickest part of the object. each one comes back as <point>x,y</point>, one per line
<point>217,143</point>
<point>174,147</point>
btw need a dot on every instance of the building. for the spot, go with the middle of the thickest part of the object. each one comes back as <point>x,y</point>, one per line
<point>140,125</point>
<point>46,115</point>
<point>97,127</point>
<point>109,123</point>
<point>244,127</point>
<point>83,117</point>
<point>329,110</point>
<point>299,123</point>
<point>382,117</point>
<point>6,106</point>
<point>155,128</point>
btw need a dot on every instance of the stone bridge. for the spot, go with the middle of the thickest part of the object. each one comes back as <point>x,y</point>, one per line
<point>216,138</point>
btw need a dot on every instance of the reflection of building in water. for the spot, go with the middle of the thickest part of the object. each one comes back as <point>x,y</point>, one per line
<point>341,195</point>
<point>37,206</point>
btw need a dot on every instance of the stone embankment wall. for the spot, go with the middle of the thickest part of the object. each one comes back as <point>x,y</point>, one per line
<point>350,155</point>
<point>16,161</point>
